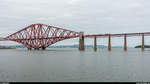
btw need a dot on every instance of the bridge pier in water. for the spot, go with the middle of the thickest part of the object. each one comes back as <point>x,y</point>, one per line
<point>125,42</point>
<point>36,48</point>
<point>29,48</point>
<point>109,42</point>
<point>143,42</point>
<point>81,41</point>
<point>95,44</point>
<point>43,48</point>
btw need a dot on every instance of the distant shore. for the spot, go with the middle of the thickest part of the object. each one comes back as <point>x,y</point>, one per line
<point>58,46</point>
<point>140,46</point>
<point>4,47</point>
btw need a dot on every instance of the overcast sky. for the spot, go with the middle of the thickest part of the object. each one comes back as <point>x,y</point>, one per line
<point>90,16</point>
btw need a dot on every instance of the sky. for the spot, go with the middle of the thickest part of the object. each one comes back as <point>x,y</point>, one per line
<point>90,16</point>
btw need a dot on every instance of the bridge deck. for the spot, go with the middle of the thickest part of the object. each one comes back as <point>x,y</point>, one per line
<point>88,36</point>
<point>41,35</point>
<point>119,35</point>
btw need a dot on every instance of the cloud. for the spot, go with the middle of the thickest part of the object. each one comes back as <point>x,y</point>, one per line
<point>90,16</point>
<point>73,1</point>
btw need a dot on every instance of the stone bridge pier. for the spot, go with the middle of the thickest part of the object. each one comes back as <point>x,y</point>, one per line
<point>81,41</point>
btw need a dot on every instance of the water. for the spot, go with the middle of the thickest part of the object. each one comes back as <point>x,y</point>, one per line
<point>71,65</point>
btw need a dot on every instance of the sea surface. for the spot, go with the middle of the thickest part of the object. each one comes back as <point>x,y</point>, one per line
<point>71,65</point>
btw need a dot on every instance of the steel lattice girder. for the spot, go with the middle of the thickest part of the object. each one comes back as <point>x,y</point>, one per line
<point>41,35</point>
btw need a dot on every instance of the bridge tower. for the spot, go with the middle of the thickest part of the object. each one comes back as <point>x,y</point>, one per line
<point>143,42</point>
<point>81,41</point>
<point>125,42</point>
<point>109,42</point>
<point>95,44</point>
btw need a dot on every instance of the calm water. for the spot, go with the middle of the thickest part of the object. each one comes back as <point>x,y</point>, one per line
<point>71,65</point>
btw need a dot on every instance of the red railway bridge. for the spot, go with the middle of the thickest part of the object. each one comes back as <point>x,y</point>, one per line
<point>38,36</point>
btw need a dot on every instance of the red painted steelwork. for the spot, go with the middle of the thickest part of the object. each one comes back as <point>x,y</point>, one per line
<point>41,35</point>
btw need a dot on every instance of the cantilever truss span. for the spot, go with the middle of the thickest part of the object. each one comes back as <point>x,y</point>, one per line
<point>41,35</point>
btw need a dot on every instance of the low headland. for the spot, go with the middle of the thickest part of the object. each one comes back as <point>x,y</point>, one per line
<point>7,47</point>
<point>140,46</point>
